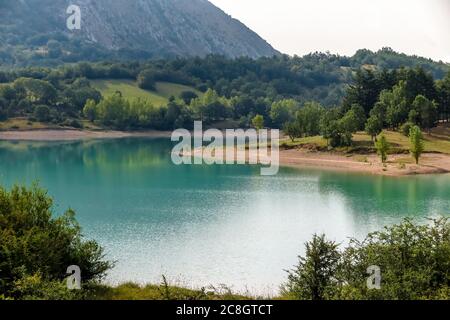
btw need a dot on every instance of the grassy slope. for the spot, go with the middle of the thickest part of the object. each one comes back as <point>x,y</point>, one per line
<point>24,124</point>
<point>129,89</point>
<point>131,291</point>
<point>437,141</point>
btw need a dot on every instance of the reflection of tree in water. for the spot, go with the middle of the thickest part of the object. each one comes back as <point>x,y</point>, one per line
<point>387,198</point>
<point>106,154</point>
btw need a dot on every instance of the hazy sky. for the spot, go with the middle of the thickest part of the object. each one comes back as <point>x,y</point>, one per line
<point>419,27</point>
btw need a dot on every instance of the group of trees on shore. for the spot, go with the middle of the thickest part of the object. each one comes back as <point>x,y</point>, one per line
<point>397,99</point>
<point>305,96</point>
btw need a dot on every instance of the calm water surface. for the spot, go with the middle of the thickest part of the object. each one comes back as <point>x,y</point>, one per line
<point>202,225</point>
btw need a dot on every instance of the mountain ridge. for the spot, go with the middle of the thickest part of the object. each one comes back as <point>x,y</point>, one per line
<point>123,29</point>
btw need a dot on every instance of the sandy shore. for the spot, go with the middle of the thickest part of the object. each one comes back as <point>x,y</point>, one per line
<point>430,163</point>
<point>70,135</point>
<point>397,165</point>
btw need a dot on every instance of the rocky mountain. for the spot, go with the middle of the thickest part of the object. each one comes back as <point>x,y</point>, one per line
<point>36,30</point>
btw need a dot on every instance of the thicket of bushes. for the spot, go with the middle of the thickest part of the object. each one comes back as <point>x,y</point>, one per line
<point>414,261</point>
<point>36,248</point>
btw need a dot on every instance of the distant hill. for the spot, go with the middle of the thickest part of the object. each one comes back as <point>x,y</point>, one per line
<point>35,32</point>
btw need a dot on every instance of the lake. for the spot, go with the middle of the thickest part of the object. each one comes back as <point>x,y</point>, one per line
<point>210,225</point>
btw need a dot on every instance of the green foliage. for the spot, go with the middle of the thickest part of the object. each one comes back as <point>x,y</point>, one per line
<point>146,80</point>
<point>395,104</point>
<point>414,261</point>
<point>210,106</point>
<point>283,111</point>
<point>382,147</point>
<point>240,89</point>
<point>348,125</point>
<point>312,279</point>
<point>406,128</point>
<point>90,110</point>
<point>308,118</point>
<point>188,96</point>
<point>42,113</point>
<point>374,126</point>
<point>292,129</point>
<point>36,248</point>
<point>258,122</point>
<point>426,112</point>
<point>416,143</point>
<point>443,92</point>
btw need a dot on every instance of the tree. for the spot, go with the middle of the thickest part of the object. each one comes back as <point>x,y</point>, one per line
<point>258,122</point>
<point>374,126</point>
<point>314,276</point>
<point>443,91</point>
<point>293,130</point>
<point>42,113</point>
<point>395,104</point>
<point>406,128</point>
<point>283,111</point>
<point>90,110</point>
<point>35,90</point>
<point>360,115</point>
<point>416,143</point>
<point>426,111</point>
<point>348,125</point>
<point>364,91</point>
<point>414,260</point>
<point>382,147</point>
<point>329,127</point>
<point>308,118</point>
<point>146,80</point>
<point>188,96</point>
<point>210,106</point>
<point>35,245</point>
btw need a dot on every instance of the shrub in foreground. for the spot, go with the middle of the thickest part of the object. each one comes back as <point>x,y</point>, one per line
<point>414,261</point>
<point>36,248</point>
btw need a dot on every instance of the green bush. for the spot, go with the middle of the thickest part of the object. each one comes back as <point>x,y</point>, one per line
<point>42,113</point>
<point>406,128</point>
<point>414,261</point>
<point>36,249</point>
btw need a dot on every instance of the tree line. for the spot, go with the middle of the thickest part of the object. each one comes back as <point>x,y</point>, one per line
<point>285,91</point>
<point>396,99</point>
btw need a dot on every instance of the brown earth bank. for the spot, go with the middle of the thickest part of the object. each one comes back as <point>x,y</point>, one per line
<point>397,165</point>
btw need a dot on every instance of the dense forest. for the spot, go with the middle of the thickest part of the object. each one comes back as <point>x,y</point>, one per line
<point>319,93</point>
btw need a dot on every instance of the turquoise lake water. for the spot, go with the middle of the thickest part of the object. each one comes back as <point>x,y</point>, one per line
<point>210,225</point>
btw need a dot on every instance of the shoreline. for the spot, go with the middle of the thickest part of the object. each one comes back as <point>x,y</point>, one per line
<point>76,134</point>
<point>397,165</point>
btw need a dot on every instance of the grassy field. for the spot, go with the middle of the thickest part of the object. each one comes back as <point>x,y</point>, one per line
<point>131,291</point>
<point>129,89</point>
<point>438,140</point>
<point>23,124</point>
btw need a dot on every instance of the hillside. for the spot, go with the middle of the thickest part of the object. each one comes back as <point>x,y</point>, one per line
<point>34,31</point>
<point>129,89</point>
